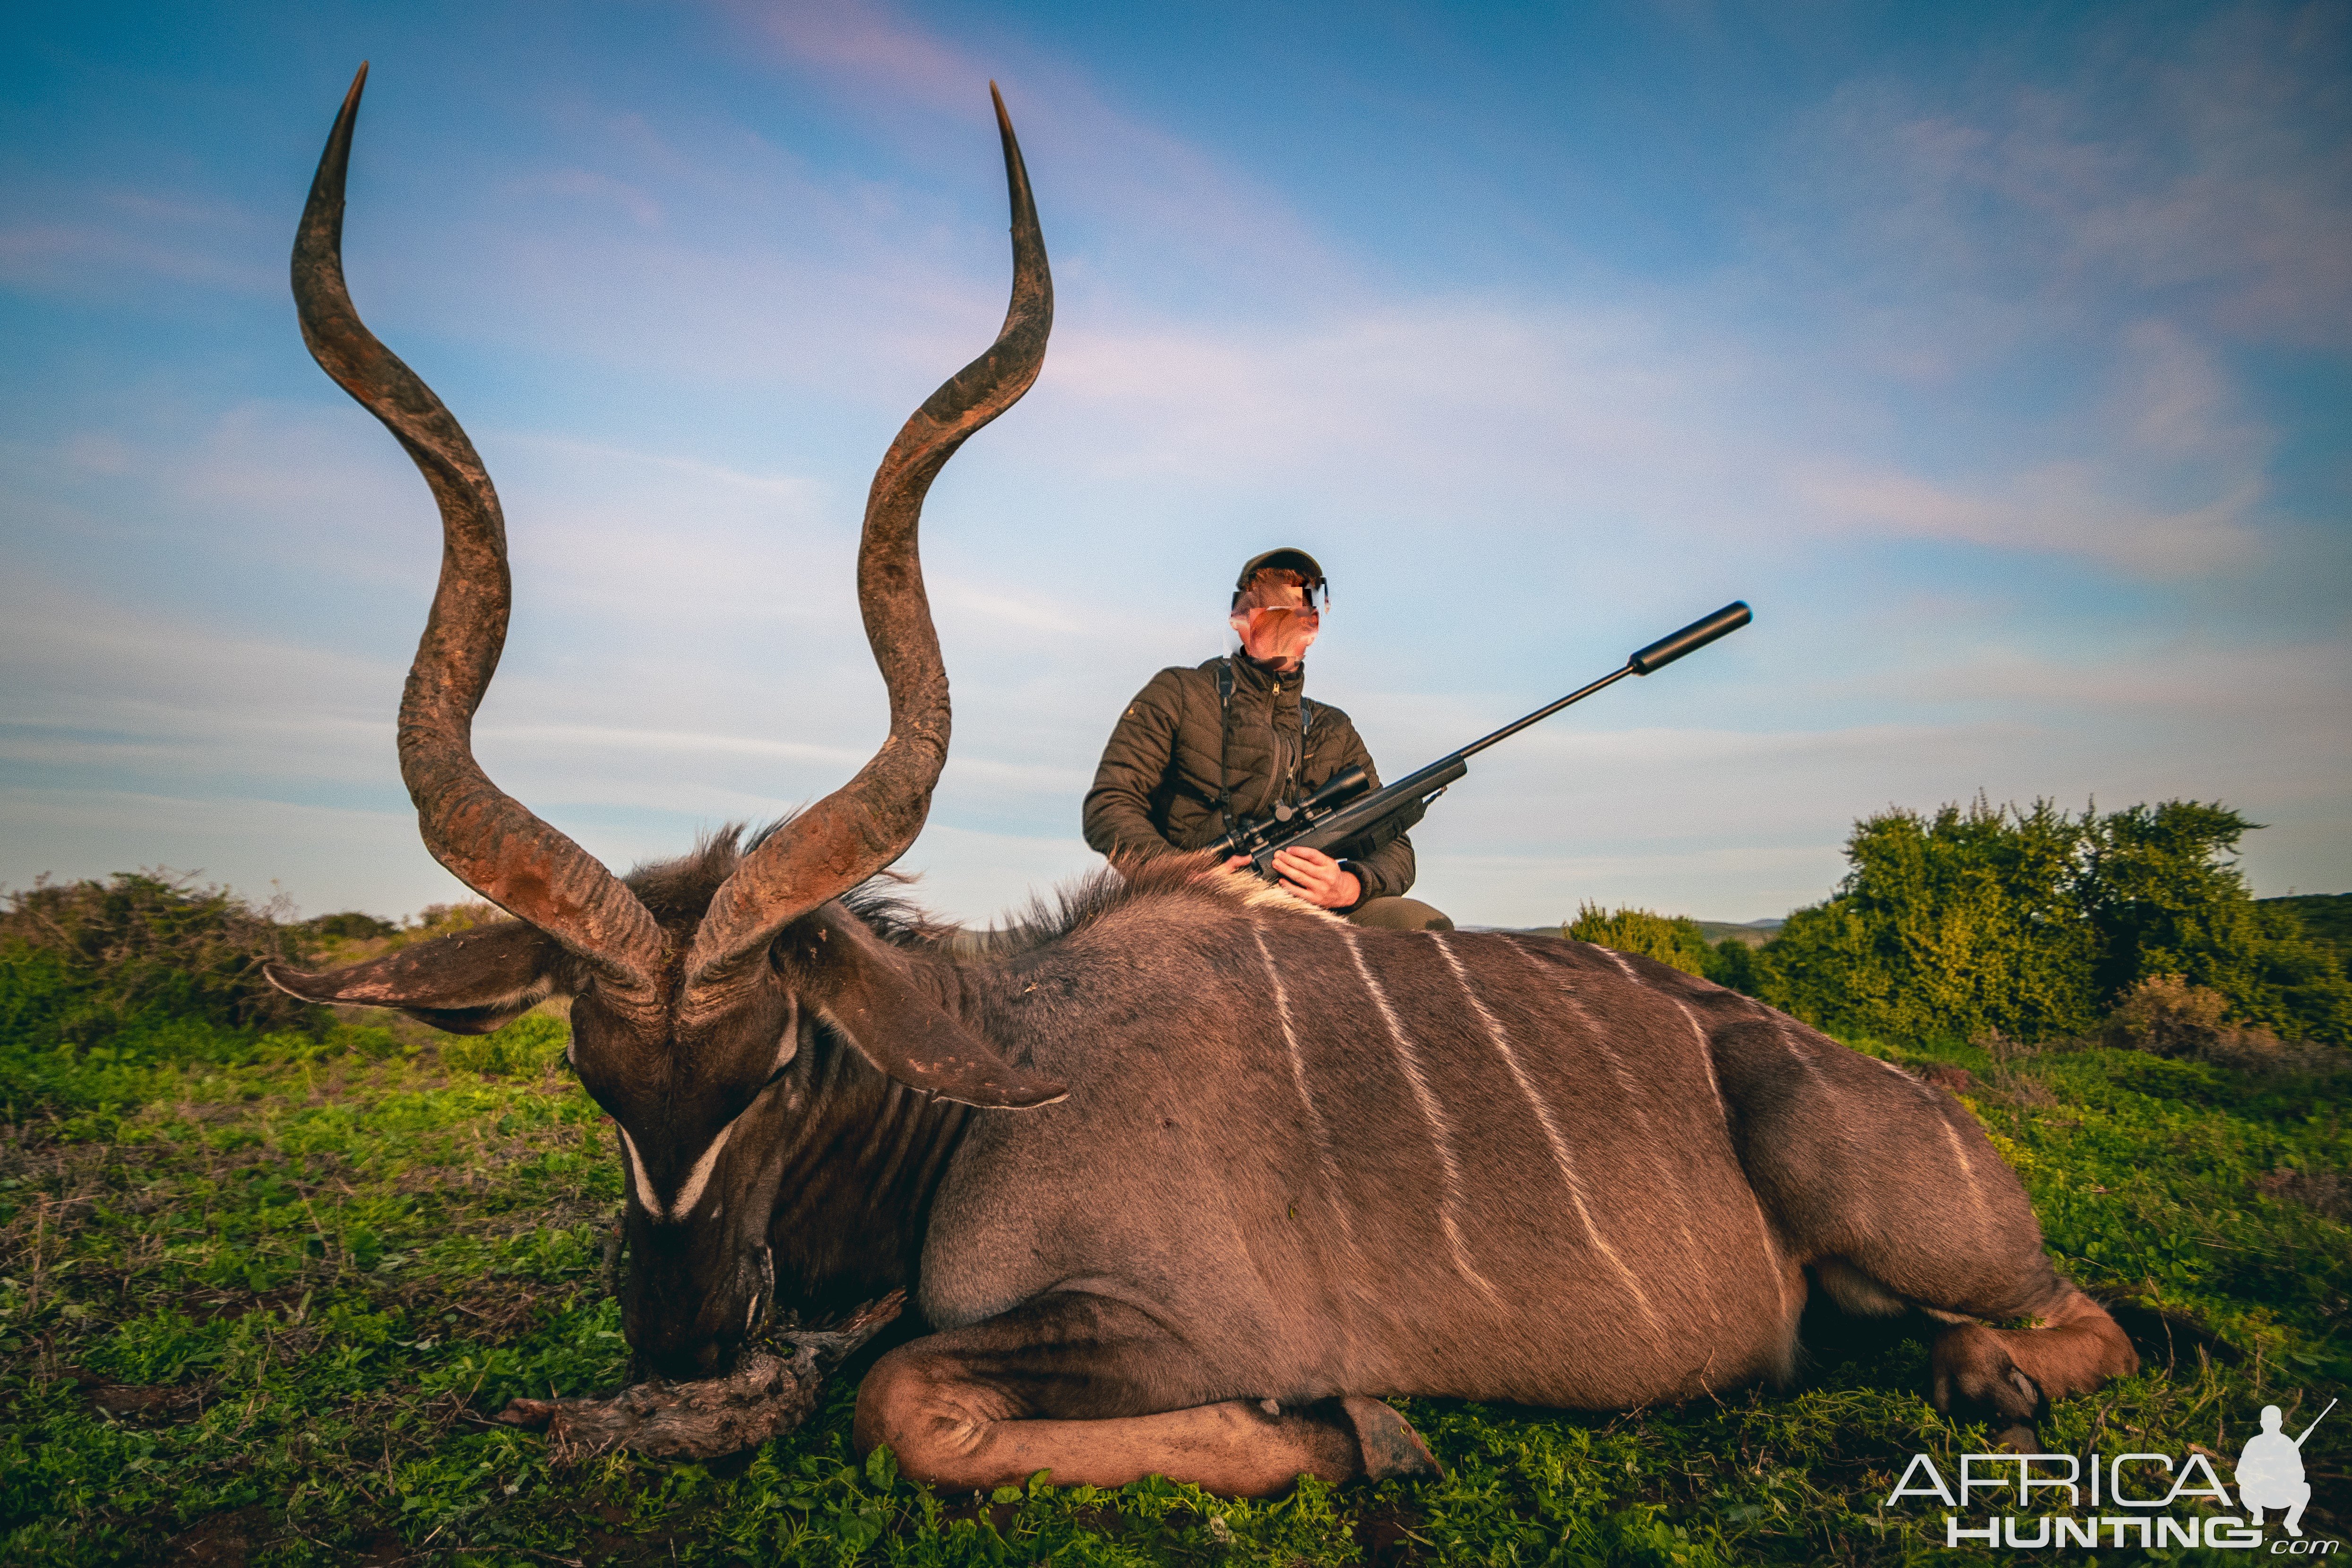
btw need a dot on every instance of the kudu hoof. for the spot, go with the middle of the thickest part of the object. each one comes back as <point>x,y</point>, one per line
<point>1393,1450</point>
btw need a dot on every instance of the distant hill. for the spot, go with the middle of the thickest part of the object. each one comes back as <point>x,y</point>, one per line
<point>2327,915</point>
<point>1755,933</point>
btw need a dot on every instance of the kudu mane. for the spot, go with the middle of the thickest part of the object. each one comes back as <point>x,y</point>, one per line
<point>678,893</point>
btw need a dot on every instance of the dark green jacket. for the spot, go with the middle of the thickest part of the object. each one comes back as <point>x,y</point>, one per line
<point>1167,763</point>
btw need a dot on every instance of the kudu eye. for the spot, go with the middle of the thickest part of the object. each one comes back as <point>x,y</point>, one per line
<point>787,1047</point>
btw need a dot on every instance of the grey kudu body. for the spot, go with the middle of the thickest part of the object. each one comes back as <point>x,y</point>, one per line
<point>1186,1175</point>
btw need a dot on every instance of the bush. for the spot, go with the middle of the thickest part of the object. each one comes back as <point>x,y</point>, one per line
<point>1674,940</point>
<point>352,937</point>
<point>1670,938</point>
<point>1734,964</point>
<point>2033,924</point>
<point>1956,925</point>
<point>349,926</point>
<point>2167,1016</point>
<point>83,962</point>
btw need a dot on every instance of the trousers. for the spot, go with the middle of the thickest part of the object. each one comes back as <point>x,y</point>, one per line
<point>1398,914</point>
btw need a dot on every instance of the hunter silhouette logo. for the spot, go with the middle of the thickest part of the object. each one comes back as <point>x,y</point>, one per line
<point>2270,1471</point>
<point>2125,1500</point>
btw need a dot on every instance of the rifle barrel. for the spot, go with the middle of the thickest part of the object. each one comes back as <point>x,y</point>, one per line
<point>1657,656</point>
<point>1540,714</point>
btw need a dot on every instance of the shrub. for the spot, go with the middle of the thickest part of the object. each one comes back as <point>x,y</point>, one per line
<point>2033,923</point>
<point>2158,883</point>
<point>352,937</point>
<point>2167,1016</point>
<point>1670,938</point>
<point>1674,940</point>
<point>349,926</point>
<point>1733,963</point>
<point>1959,924</point>
<point>83,962</point>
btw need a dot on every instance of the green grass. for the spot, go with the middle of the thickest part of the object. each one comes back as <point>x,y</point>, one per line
<point>257,1305</point>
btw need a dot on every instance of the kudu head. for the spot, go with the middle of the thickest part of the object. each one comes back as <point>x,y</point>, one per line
<point>686,1007</point>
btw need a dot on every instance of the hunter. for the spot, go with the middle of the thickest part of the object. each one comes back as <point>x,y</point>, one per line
<point>1201,749</point>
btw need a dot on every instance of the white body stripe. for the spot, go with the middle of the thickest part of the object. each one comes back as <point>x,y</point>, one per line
<point>1299,1077</point>
<point>1813,1068</point>
<point>1960,1152</point>
<point>1916,1087</point>
<point>1560,1154</point>
<point>1600,1037</point>
<point>1433,1112</point>
<point>1668,1174</point>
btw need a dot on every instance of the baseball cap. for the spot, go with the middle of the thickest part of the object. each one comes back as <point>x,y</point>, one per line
<point>1286,559</point>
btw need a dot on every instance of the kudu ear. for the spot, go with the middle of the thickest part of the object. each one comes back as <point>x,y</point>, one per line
<point>468,983</point>
<point>862,989</point>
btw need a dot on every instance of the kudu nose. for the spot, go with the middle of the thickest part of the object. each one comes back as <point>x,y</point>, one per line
<point>687,1334</point>
<point>684,1358</point>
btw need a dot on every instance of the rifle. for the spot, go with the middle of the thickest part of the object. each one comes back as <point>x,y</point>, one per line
<point>1342,812</point>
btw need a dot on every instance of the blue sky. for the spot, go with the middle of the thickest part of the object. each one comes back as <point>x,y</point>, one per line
<point>2001,355</point>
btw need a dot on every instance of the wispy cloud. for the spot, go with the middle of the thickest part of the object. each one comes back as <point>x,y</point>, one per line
<point>2060,507</point>
<point>2206,178</point>
<point>1150,197</point>
<point>110,241</point>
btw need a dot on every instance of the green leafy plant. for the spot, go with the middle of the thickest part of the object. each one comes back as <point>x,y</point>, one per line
<point>1674,940</point>
<point>529,1046</point>
<point>2033,923</point>
<point>89,959</point>
<point>1670,938</point>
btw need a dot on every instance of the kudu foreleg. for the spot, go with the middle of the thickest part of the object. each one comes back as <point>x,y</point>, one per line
<point>1093,1393</point>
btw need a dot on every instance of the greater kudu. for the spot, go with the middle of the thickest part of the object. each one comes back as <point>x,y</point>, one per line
<point>1188,1174</point>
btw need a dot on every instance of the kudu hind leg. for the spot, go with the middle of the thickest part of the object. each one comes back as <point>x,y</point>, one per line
<point>1895,1197</point>
<point>1095,1393</point>
<point>2005,1375</point>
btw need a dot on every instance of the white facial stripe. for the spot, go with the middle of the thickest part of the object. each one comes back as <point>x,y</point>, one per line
<point>637,1169</point>
<point>700,1177</point>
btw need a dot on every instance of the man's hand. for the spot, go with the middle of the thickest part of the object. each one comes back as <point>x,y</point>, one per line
<point>1311,875</point>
